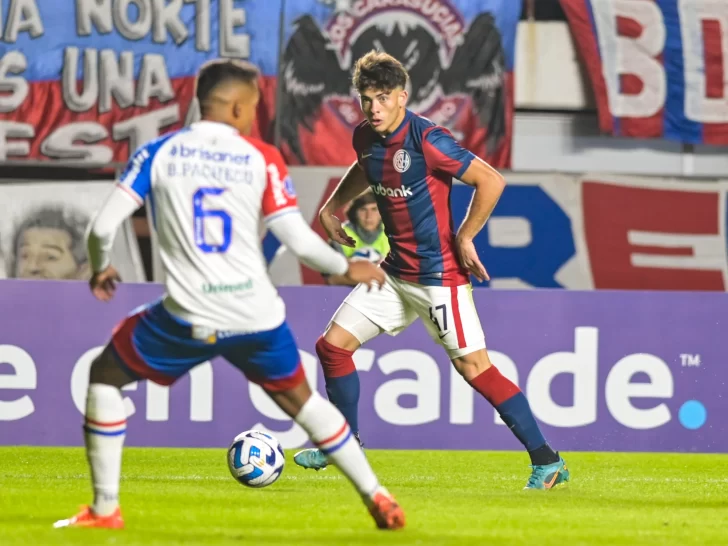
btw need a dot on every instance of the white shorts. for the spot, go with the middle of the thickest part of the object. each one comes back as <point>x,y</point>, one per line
<point>448,313</point>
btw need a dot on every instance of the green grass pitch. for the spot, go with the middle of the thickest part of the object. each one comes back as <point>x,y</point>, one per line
<point>187,496</point>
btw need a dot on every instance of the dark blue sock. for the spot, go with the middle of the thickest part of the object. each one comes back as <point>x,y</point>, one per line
<point>514,409</point>
<point>343,392</point>
<point>517,415</point>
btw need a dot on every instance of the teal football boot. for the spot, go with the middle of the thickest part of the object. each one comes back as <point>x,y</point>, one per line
<point>315,458</point>
<point>548,476</point>
<point>311,458</point>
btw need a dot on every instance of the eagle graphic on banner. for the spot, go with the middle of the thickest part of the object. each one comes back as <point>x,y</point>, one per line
<point>452,68</point>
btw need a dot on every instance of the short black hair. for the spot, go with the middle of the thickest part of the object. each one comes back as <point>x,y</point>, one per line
<point>378,70</point>
<point>71,221</point>
<point>220,71</point>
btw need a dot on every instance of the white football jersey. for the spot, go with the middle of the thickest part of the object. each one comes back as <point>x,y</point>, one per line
<point>209,189</point>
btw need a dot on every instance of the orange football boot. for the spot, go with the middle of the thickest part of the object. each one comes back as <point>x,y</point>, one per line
<point>385,510</point>
<point>87,518</point>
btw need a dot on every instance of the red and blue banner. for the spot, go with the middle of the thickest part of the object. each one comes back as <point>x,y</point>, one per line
<point>88,80</point>
<point>659,68</point>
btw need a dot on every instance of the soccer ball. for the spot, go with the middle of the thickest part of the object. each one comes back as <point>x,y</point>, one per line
<point>366,254</point>
<point>255,458</point>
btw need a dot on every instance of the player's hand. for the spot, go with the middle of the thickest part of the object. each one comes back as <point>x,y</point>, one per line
<point>103,283</point>
<point>365,272</point>
<point>469,259</point>
<point>332,226</point>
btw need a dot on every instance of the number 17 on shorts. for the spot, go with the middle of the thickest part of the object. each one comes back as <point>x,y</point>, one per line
<point>448,313</point>
<point>451,319</point>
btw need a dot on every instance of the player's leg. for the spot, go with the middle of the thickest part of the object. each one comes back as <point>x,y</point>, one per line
<point>362,316</point>
<point>328,429</point>
<point>142,347</point>
<point>452,320</point>
<point>104,432</point>
<point>548,468</point>
<point>275,366</point>
<point>335,350</point>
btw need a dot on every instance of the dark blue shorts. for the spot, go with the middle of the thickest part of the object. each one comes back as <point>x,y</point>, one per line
<point>153,344</point>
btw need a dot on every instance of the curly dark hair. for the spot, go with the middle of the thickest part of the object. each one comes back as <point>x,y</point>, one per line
<point>380,71</point>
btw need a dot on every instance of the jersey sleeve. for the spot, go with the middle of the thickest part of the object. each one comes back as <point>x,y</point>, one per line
<point>279,197</point>
<point>358,141</point>
<point>100,235</point>
<point>337,247</point>
<point>355,139</point>
<point>443,153</point>
<point>136,179</point>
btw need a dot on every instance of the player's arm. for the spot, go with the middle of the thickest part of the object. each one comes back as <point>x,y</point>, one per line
<point>284,219</point>
<point>337,280</point>
<point>444,153</point>
<point>125,198</point>
<point>351,186</point>
<point>102,229</point>
<point>292,231</point>
<point>295,234</point>
<point>489,185</point>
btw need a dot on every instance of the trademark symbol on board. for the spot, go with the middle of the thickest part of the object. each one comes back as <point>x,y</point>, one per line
<point>689,360</point>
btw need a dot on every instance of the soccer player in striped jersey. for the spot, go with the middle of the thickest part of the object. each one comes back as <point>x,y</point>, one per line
<point>409,163</point>
<point>210,187</point>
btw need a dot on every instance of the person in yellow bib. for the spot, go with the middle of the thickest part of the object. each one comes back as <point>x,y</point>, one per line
<point>365,227</point>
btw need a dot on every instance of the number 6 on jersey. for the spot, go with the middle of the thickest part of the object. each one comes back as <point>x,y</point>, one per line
<point>201,214</point>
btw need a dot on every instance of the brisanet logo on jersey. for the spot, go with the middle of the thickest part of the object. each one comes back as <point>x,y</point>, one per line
<point>189,152</point>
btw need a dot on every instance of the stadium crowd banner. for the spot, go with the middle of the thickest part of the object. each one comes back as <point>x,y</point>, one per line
<point>577,232</point>
<point>608,370</point>
<point>460,57</point>
<point>657,67</point>
<point>642,233</point>
<point>87,81</point>
<point>43,231</point>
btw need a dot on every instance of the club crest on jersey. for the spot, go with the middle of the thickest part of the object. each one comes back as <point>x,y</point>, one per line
<point>453,66</point>
<point>401,161</point>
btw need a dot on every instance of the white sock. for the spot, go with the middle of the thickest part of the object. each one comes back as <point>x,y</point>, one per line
<point>329,430</point>
<point>104,432</point>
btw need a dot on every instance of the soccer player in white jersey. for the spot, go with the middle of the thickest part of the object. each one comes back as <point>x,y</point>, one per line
<point>210,186</point>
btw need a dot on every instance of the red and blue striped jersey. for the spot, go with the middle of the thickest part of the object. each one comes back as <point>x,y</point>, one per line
<point>410,172</point>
